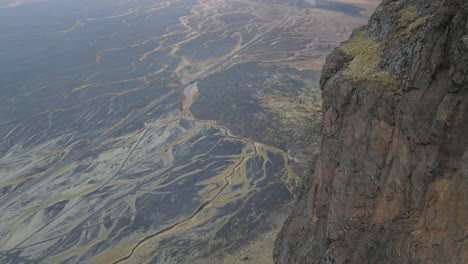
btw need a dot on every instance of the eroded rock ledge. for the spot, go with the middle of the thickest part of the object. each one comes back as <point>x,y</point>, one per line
<point>391,183</point>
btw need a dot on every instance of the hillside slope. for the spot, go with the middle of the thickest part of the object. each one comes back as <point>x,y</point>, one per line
<point>391,182</point>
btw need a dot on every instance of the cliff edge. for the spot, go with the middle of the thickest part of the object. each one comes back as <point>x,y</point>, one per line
<point>391,182</point>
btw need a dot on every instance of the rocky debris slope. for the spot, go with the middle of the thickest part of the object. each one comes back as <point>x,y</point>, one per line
<point>391,183</point>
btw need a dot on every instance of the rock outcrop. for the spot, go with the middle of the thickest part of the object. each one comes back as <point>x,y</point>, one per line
<point>391,182</point>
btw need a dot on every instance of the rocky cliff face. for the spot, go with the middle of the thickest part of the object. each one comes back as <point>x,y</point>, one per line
<point>391,183</point>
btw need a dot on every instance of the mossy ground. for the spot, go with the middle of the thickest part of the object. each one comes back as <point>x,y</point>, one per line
<point>293,111</point>
<point>278,106</point>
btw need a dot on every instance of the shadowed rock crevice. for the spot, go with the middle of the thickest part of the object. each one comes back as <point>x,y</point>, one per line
<point>390,184</point>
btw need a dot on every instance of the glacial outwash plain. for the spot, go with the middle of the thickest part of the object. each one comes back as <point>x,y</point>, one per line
<point>137,131</point>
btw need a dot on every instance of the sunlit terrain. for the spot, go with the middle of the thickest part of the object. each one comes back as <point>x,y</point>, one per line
<point>157,131</point>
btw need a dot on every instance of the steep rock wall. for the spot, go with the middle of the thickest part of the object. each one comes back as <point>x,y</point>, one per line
<point>391,183</point>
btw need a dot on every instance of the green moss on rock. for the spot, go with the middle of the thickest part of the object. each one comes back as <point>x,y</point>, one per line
<point>416,25</point>
<point>407,16</point>
<point>409,19</point>
<point>367,53</point>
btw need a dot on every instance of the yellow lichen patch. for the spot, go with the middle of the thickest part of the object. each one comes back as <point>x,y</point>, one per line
<point>367,53</point>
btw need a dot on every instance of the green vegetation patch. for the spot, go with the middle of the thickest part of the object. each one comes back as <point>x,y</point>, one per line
<point>416,25</point>
<point>293,108</point>
<point>367,53</point>
<point>277,106</point>
<point>407,16</point>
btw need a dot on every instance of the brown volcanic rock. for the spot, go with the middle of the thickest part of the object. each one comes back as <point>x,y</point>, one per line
<point>391,183</point>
